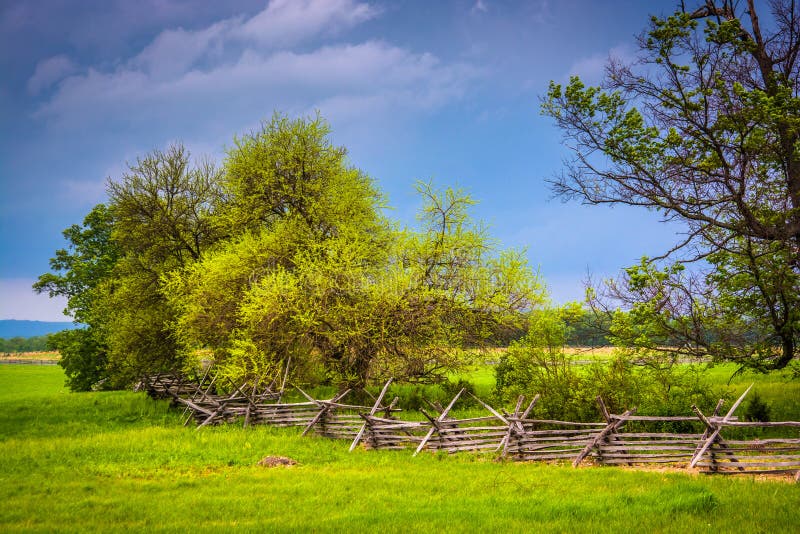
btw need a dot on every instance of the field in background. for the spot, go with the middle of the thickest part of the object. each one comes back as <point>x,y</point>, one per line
<point>32,357</point>
<point>117,461</point>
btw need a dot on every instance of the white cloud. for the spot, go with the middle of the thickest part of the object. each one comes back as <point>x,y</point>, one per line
<point>50,71</point>
<point>286,22</point>
<point>479,7</point>
<point>18,301</point>
<point>174,52</point>
<point>162,85</point>
<point>203,85</point>
<point>280,24</point>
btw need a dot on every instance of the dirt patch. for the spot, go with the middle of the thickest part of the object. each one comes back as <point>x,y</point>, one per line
<point>276,461</point>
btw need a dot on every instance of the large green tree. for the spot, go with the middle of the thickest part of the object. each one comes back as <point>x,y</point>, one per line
<point>704,128</point>
<point>163,209</point>
<point>313,271</point>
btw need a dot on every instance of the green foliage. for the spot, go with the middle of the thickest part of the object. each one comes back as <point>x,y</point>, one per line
<point>162,210</point>
<point>83,357</point>
<point>703,128</point>
<point>719,315</point>
<point>305,237</point>
<point>587,329</point>
<point>290,170</point>
<point>87,267</point>
<point>654,384</point>
<point>88,260</point>
<point>452,387</point>
<point>757,409</point>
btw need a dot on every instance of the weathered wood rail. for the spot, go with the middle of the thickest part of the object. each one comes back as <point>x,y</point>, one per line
<point>254,404</point>
<point>27,361</point>
<point>700,444</point>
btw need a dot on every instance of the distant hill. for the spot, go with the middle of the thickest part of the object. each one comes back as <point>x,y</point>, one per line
<point>12,328</point>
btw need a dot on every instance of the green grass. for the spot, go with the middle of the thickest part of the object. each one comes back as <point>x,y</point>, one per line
<point>777,388</point>
<point>119,461</point>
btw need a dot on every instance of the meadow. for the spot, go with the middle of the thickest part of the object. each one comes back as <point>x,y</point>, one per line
<point>114,461</point>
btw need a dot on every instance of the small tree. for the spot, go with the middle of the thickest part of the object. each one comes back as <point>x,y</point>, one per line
<point>85,266</point>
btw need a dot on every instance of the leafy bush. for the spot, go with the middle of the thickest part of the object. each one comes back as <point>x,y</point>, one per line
<point>83,358</point>
<point>654,384</point>
<point>451,389</point>
<point>757,409</point>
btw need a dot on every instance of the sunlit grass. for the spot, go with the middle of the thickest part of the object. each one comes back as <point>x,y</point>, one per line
<point>120,461</point>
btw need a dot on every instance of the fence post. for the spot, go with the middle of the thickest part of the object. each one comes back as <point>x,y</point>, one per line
<point>374,409</point>
<point>714,435</point>
<point>603,433</point>
<point>440,418</point>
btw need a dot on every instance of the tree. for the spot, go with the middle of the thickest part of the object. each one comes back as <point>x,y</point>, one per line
<point>314,272</point>
<point>703,128</point>
<point>163,210</point>
<point>86,264</point>
<point>290,170</point>
<point>291,203</point>
<point>89,258</point>
<point>158,219</point>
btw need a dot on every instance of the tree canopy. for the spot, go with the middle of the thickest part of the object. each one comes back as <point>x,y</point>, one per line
<point>313,271</point>
<point>703,128</point>
<point>284,252</point>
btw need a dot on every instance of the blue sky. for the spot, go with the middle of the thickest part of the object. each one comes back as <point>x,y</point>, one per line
<point>447,90</point>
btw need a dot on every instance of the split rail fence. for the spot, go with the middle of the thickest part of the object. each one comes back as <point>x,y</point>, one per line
<point>711,443</point>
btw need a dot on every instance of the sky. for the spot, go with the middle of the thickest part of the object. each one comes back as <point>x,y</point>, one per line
<point>447,90</point>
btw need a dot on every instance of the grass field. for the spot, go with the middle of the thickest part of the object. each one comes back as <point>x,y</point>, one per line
<point>117,461</point>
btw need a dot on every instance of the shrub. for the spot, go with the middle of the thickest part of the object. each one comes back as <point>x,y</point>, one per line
<point>652,383</point>
<point>757,409</point>
<point>451,389</point>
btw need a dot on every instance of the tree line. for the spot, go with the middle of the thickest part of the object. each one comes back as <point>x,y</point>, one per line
<point>24,344</point>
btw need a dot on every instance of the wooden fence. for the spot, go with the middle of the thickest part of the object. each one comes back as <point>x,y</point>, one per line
<point>621,439</point>
<point>255,404</point>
